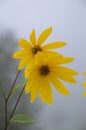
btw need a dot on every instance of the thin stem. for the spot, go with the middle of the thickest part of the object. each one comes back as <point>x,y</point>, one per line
<point>5,105</point>
<point>17,102</point>
<point>6,127</point>
<point>6,100</point>
<point>13,85</point>
<point>5,115</point>
<point>2,91</point>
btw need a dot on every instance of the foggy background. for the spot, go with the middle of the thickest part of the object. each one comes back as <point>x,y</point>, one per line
<point>68,19</point>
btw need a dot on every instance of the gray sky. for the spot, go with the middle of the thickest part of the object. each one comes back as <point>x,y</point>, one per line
<point>68,19</point>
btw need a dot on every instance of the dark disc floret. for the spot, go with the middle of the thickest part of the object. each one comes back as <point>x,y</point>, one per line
<point>44,70</point>
<point>35,49</point>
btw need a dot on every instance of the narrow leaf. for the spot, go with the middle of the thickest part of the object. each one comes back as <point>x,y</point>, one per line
<point>21,119</point>
<point>17,87</point>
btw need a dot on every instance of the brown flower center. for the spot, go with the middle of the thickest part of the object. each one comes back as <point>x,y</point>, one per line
<point>35,49</point>
<point>44,70</point>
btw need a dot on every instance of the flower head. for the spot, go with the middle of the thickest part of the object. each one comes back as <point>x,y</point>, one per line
<point>84,85</point>
<point>46,71</point>
<point>32,47</point>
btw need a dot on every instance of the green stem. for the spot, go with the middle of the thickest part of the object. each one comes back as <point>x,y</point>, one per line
<point>6,100</point>
<point>15,107</point>
<point>17,102</point>
<point>5,115</point>
<point>13,85</point>
<point>5,105</point>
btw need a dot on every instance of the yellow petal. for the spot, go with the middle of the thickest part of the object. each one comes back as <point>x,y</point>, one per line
<point>52,58</point>
<point>61,70</point>
<point>67,78</point>
<point>51,54</point>
<point>23,62</point>
<point>24,44</point>
<point>29,68</point>
<point>44,35</point>
<point>21,54</point>
<point>84,84</point>
<point>35,91</point>
<point>28,87</point>
<point>53,45</point>
<point>27,71</point>
<point>46,92</point>
<point>65,70</point>
<point>33,37</point>
<point>84,94</point>
<point>49,93</point>
<point>64,60</point>
<point>84,73</point>
<point>59,59</point>
<point>31,83</point>
<point>43,94</point>
<point>39,58</point>
<point>64,73</point>
<point>59,86</point>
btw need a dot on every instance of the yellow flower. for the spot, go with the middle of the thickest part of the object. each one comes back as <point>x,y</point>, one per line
<point>84,85</point>
<point>46,71</point>
<point>32,47</point>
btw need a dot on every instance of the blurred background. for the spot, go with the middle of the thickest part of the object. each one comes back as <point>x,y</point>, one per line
<point>68,19</point>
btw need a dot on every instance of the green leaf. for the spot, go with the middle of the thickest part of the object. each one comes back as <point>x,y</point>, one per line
<point>21,119</point>
<point>17,87</point>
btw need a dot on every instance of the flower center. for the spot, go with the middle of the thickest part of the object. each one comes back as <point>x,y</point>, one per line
<point>35,49</point>
<point>44,70</point>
